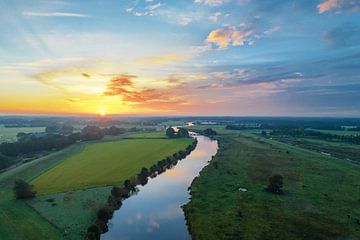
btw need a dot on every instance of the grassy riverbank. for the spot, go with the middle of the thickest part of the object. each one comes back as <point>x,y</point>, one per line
<point>321,199</point>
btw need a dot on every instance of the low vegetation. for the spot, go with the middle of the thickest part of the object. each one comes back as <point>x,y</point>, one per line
<point>317,203</point>
<point>106,163</point>
<point>23,189</point>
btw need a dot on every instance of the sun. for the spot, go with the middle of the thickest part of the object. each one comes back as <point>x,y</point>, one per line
<point>102,111</point>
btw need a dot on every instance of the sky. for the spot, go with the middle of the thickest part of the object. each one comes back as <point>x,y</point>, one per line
<point>188,57</point>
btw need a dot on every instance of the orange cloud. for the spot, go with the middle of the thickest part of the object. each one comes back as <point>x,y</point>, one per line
<point>328,5</point>
<point>149,99</point>
<point>223,37</point>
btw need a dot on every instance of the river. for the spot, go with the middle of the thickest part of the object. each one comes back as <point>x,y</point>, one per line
<point>155,211</point>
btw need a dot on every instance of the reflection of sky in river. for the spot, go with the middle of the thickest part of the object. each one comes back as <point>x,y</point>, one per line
<point>155,212</point>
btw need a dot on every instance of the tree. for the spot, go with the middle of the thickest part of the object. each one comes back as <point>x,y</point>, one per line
<point>170,132</point>
<point>263,133</point>
<point>209,132</point>
<point>23,190</point>
<point>116,192</point>
<point>104,214</point>
<point>183,133</point>
<point>91,133</point>
<point>275,184</point>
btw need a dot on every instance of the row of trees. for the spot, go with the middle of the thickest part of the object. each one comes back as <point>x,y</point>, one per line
<point>118,194</point>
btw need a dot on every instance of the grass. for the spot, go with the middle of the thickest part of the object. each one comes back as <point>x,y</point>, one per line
<point>106,163</point>
<point>338,132</point>
<point>17,219</point>
<point>9,134</point>
<point>68,214</point>
<point>148,135</point>
<point>321,199</point>
<point>341,150</point>
<point>72,212</point>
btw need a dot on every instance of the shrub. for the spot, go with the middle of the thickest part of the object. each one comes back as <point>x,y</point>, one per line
<point>275,184</point>
<point>23,190</point>
<point>116,192</point>
<point>104,214</point>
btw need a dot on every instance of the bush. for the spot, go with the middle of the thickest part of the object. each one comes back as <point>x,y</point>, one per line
<point>275,184</point>
<point>116,192</point>
<point>23,190</point>
<point>104,214</point>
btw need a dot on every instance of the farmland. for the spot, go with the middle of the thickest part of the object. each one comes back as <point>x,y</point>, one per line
<point>106,164</point>
<point>316,203</point>
<point>9,134</point>
<point>67,206</point>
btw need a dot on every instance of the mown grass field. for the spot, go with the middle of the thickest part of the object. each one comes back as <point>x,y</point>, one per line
<point>108,163</point>
<point>321,200</point>
<point>9,134</point>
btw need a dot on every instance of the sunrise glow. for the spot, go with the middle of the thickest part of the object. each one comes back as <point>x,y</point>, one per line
<point>180,57</point>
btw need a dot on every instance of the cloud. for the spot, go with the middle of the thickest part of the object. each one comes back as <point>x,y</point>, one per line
<point>224,37</point>
<point>210,2</point>
<point>215,16</point>
<point>154,6</point>
<point>55,14</point>
<point>344,35</point>
<point>339,5</point>
<point>120,85</point>
<point>167,99</point>
<point>86,75</point>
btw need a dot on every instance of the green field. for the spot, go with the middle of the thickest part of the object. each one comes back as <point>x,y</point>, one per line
<point>338,132</point>
<point>106,163</point>
<point>321,199</point>
<point>17,219</point>
<point>9,134</point>
<point>67,215</point>
<point>148,135</point>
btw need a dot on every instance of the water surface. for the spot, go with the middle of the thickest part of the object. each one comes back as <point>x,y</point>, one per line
<point>155,211</point>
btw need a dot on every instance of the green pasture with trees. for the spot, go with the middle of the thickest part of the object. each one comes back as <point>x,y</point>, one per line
<point>259,188</point>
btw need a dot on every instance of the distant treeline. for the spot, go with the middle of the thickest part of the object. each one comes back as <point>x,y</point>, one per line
<point>300,132</point>
<point>118,194</point>
<point>32,143</point>
<point>242,126</point>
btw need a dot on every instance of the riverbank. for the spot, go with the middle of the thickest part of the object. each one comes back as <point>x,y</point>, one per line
<point>155,212</point>
<point>320,201</point>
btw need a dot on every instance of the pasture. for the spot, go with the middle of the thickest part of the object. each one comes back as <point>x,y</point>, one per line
<point>320,201</point>
<point>9,134</point>
<point>108,163</point>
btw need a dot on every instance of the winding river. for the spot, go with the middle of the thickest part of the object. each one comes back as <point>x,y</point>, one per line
<point>155,211</point>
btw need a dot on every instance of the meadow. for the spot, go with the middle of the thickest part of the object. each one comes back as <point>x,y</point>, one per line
<point>321,199</point>
<point>9,134</point>
<point>108,163</point>
<point>74,183</point>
